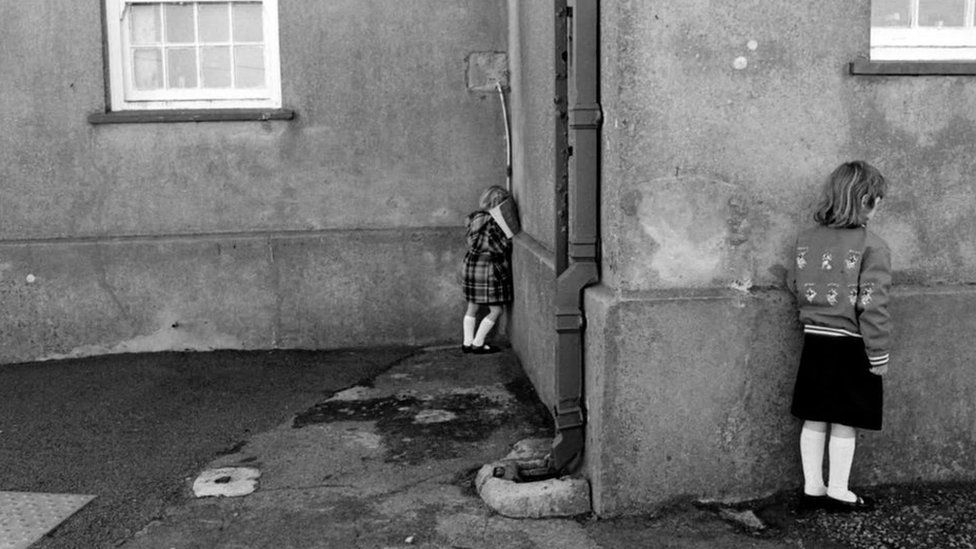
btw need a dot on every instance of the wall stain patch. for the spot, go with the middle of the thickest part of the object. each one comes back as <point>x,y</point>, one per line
<point>174,335</point>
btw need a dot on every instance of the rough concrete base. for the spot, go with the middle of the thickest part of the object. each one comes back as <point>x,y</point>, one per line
<point>689,395</point>
<point>533,328</point>
<point>558,497</point>
<point>305,290</point>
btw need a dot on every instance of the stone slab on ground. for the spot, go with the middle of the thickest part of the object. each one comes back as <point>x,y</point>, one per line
<point>511,497</point>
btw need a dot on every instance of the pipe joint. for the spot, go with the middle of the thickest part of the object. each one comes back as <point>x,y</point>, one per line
<point>583,251</point>
<point>573,280</point>
<point>567,322</point>
<point>570,417</point>
<point>586,117</point>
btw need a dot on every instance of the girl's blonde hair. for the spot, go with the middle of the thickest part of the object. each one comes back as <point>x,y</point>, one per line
<point>843,204</point>
<point>492,197</point>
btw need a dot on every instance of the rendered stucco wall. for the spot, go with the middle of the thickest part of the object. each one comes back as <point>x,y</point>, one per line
<point>340,227</point>
<point>532,328</point>
<point>722,120</point>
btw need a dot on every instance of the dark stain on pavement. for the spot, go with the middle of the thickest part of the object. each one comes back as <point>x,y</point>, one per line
<point>455,419</point>
<point>414,428</point>
<point>233,449</point>
<point>372,409</point>
<point>527,397</point>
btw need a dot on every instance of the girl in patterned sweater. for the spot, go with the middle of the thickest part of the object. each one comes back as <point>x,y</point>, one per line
<point>840,275</point>
<point>486,271</point>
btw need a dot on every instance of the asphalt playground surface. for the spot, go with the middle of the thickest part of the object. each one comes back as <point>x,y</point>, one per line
<point>131,428</point>
<point>389,464</point>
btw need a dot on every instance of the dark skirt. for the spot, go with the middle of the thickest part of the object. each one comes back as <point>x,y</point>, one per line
<point>834,383</point>
<point>487,278</point>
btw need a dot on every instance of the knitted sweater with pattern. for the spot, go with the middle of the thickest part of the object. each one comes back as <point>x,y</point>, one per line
<point>841,279</point>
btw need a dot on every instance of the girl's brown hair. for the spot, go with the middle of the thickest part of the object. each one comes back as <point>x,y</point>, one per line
<point>492,197</point>
<point>843,204</point>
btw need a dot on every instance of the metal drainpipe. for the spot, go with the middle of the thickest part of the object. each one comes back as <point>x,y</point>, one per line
<point>577,217</point>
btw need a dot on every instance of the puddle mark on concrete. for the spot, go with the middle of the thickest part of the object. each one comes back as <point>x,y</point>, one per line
<point>233,449</point>
<point>370,409</point>
<point>461,418</point>
<point>526,396</point>
<point>357,392</point>
<point>434,416</point>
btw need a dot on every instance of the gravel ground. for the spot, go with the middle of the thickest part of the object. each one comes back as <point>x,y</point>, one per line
<point>942,516</point>
<point>912,516</point>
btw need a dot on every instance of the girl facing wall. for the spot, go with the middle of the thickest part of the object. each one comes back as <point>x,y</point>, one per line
<point>840,275</point>
<point>486,271</point>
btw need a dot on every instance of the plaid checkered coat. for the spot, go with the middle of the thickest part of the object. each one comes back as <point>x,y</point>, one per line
<point>486,273</point>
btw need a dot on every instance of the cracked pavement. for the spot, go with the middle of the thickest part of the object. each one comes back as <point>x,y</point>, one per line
<point>368,448</point>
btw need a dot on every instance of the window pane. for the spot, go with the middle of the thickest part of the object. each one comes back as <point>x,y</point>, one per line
<point>214,23</point>
<point>144,20</point>
<point>179,23</point>
<point>942,13</point>
<point>891,13</point>
<point>216,66</point>
<point>182,66</point>
<point>247,23</point>
<point>147,68</point>
<point>249,66</point>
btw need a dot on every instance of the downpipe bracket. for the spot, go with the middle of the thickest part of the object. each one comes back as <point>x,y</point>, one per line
<point>569,417</point>
<point>586,117</point>
<point>570,322</point>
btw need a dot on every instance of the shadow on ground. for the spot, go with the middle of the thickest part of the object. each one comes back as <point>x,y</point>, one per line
<point>357,448</point>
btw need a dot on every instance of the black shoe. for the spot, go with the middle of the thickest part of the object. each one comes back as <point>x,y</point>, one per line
<point>483,349</point>
<point>812,503</point>
<point>862,504</point>
<point>465,348</point>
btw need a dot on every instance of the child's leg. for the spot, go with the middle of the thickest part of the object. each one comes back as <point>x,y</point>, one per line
<point>812,440</point>
<point>487,323</point>
<point>470,320</point>
<point>841,449</point>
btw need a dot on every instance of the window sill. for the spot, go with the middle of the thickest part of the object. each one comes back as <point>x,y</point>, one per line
<point>194,115</point>
<point>864,67</point>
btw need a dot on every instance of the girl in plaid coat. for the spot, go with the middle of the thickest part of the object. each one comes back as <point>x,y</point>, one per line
<point>486,271</point>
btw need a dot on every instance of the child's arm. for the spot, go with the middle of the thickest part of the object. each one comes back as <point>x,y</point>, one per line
<point>498,243</point>
<point>476,236</point>
<point>874,319</point>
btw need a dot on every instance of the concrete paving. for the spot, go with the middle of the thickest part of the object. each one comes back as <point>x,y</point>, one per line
<point>386,463</point>
<point>356,449</point>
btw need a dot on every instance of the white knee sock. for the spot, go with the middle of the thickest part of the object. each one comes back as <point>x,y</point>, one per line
<point>483,329</point>
<point>811,455</point>
<point>841,458</point>
<point>469,323</point>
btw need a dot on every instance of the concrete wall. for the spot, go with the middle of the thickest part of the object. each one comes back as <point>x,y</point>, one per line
<point>722,120</point>
<point>532,328</point>
<point>340,227</point>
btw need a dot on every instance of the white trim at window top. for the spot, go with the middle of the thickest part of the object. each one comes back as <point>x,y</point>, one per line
<point>263,90</point>
<point>914,42</point>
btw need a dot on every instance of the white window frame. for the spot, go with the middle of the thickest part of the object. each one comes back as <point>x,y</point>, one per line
<point>915,43</point>
<point>124,96</point>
